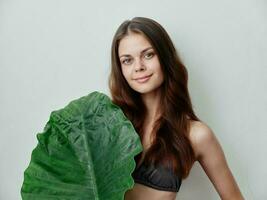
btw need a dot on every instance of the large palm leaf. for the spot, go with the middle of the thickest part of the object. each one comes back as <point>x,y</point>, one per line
<point>86,151</point>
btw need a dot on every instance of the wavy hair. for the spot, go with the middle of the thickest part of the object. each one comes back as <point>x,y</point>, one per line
<point>171,144</point>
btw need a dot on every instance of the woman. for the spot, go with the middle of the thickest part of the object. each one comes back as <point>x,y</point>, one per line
<point>149,82</point>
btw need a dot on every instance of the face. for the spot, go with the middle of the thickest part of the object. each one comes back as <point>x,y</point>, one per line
<point>138,59</point>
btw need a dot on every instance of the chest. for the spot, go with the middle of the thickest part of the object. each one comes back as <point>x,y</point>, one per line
<point>146,141</point>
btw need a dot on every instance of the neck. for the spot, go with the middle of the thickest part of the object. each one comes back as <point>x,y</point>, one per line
<point>152,103</point>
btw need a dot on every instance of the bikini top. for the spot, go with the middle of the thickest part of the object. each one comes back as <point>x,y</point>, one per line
<point>159,177</point>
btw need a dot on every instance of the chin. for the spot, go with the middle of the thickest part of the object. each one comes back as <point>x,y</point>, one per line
<point>141,90</point>
<point>144,90</point>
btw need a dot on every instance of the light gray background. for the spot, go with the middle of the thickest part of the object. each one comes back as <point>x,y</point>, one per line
<point>52,52</point>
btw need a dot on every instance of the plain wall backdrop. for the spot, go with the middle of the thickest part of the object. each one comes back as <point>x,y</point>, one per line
<point>55,51</point>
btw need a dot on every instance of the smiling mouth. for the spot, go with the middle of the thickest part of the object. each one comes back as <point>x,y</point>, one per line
<point>144,79</point>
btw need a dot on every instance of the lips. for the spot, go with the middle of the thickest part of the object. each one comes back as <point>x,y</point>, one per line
<point>143,79</point>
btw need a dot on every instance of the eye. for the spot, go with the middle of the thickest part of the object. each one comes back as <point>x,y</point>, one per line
<point>125,61</point>
<point>150,54</point>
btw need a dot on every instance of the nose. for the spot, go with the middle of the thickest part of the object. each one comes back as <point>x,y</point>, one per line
<point>139,65</point>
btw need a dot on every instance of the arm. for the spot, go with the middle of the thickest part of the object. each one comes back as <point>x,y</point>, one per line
<point>211,157</point>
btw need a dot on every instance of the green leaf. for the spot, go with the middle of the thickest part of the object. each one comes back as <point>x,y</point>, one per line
<point>86,151</point>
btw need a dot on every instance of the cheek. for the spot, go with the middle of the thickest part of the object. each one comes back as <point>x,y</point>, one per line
<point>125,74</point>
<point>160,72</point>
<point>158,68</point>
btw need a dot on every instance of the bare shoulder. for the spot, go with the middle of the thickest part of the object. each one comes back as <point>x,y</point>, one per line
<point>210,155</point>
<point>201,136</point>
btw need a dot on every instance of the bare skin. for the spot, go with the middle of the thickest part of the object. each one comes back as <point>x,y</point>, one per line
<point>142,192</point>
<point>210,156</point>
<point>208,151</point>
<point>138,59</point>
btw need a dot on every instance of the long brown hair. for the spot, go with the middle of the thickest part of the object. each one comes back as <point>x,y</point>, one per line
<point>171,143</point>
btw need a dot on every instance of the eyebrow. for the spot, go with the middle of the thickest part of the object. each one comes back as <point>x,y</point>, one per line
<point>127,55</point>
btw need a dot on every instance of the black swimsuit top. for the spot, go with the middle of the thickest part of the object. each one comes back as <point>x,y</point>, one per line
<point>157,177</point>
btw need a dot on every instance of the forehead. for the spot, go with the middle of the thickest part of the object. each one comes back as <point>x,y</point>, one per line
<point>133,44</point>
